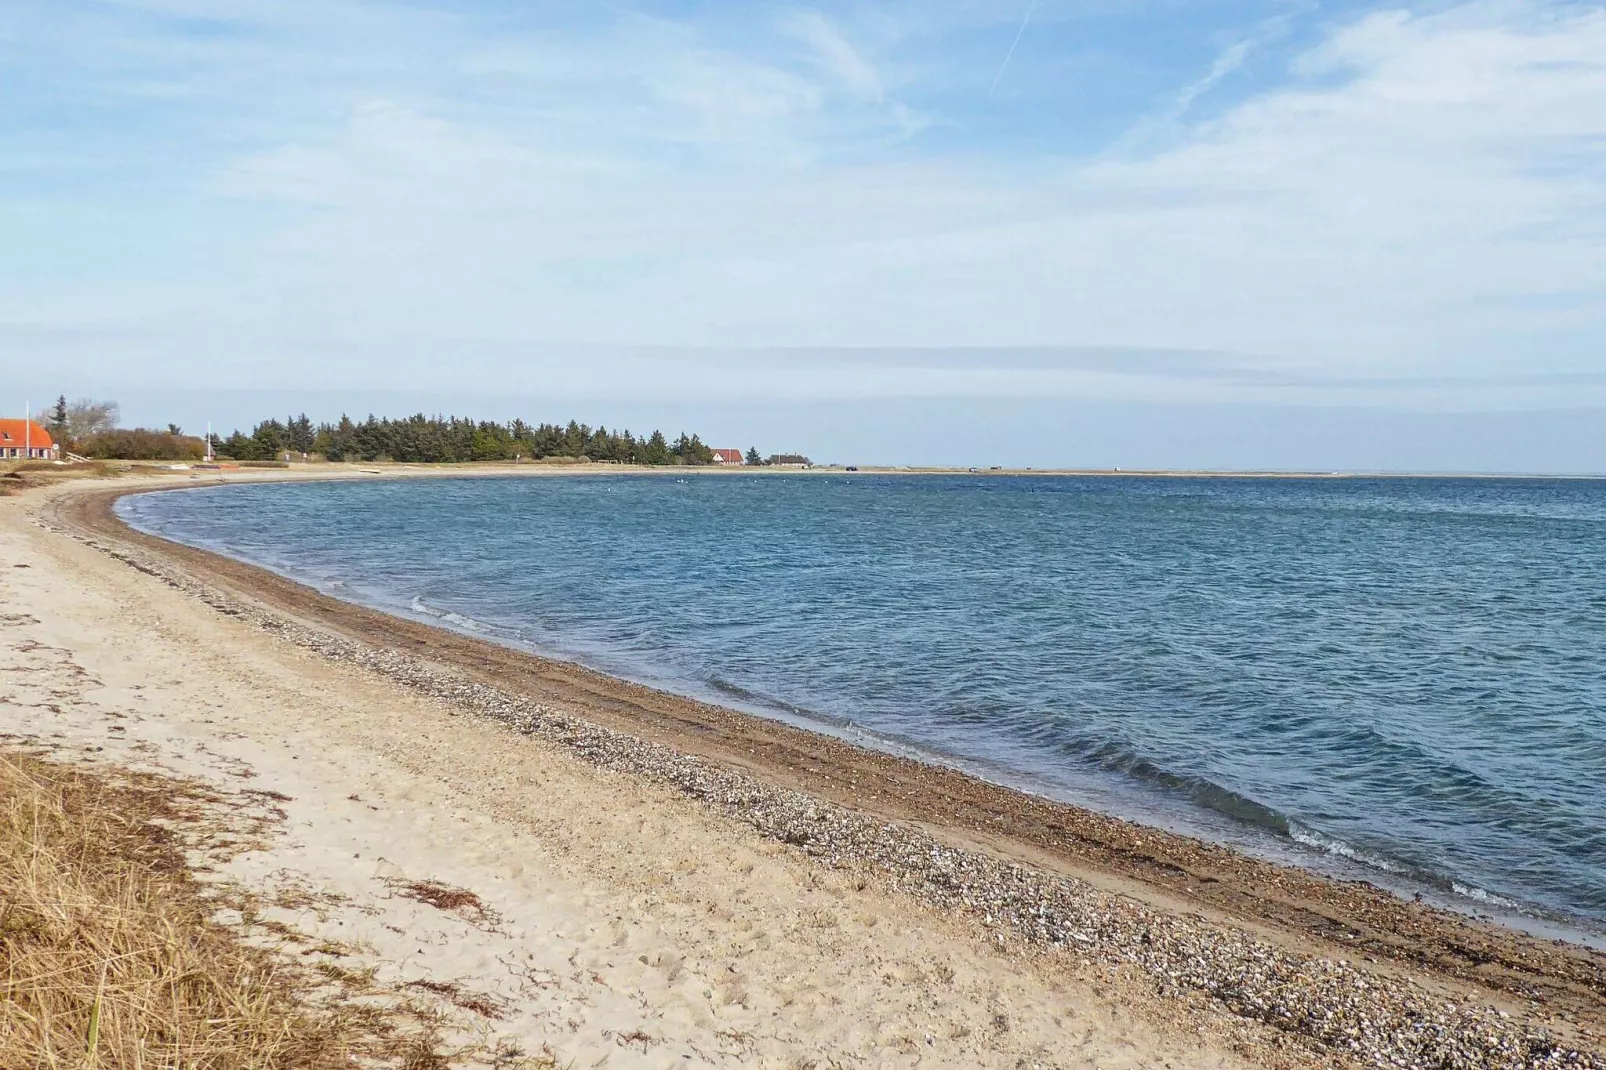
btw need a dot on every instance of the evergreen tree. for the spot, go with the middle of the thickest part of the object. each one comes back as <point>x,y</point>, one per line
<point>574,439</point>
<point>697,453</point>
<point>268,440</point>
<point>656,451</point>
<point>298,434</point>
<point>239,447</point>
<point>58,419</point>
<point>752,457</point>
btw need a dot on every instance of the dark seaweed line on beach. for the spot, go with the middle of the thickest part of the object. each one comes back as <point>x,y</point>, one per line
<point>1332,1006</point>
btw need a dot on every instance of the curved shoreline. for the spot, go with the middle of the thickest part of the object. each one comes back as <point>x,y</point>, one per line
<point>1293,909</point>
<point>1144,805</point>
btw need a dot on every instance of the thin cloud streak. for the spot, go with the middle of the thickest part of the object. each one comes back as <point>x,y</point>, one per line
<point>1030,7</point>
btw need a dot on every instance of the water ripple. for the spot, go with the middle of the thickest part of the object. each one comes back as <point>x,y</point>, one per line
<point>1404,675</point>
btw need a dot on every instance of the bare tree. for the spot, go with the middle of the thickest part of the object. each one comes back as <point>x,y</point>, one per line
<point>87,416</point>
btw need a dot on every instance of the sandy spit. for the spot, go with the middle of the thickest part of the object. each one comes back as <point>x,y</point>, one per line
<point>650,906</point>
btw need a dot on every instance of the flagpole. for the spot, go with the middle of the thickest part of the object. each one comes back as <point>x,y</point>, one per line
<point>27,431</point>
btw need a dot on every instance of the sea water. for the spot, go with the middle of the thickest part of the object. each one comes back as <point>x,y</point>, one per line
<point>1400,679</point>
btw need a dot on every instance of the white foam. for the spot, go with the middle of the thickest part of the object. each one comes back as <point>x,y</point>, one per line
<point>1482,896</point>
<point>1334,846</point>
<point>469,624</point>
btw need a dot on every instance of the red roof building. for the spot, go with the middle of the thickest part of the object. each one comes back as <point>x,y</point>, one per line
<point>25,440</point>
<point>727,456</point>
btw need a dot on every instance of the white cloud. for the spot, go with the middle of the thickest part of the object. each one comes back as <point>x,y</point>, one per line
<point>1232,58</point>
<point>836,54</point>
<point>1423,196</point>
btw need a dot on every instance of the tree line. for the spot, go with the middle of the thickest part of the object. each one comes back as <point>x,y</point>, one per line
<point>444,440</point>
<point>90,428</point>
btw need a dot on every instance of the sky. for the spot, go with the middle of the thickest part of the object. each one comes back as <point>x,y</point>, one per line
<point>1221,233</point>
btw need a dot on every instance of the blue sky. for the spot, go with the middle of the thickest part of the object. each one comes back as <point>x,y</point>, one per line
<point>718,209</point>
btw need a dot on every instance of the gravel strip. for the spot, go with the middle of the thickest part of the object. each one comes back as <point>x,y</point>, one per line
<point>1330,1006</point>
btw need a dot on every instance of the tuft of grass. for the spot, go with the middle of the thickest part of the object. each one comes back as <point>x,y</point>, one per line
<point>110,954</point>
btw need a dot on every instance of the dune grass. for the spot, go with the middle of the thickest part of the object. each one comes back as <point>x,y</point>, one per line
<point>111,954</point>
<point>17,476</point>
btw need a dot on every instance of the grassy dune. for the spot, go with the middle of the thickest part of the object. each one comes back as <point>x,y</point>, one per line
<point>111,951</point>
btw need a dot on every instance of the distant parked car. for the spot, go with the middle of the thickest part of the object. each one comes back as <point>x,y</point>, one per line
<point>853,468</point>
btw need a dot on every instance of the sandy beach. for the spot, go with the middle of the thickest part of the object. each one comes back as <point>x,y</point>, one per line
<point>660,882</point>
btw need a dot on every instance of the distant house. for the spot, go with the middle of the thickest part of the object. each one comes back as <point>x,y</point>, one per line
<point>727,456</point>
<point>24,440</point>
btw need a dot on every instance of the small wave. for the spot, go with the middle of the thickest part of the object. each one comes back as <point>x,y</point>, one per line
<point>1214,797</point>
<point>770,702</point>
<point>456,620</point>
<point>1201,792</point>
<point>1332,845</point>
<point>418,605</point>
<point>1480,895</point>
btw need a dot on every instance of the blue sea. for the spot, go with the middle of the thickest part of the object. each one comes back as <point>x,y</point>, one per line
<point>1399,680</point>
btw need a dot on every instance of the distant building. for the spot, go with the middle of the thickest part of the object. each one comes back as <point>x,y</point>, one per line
<point>727,456</point>
<point>25,440</point>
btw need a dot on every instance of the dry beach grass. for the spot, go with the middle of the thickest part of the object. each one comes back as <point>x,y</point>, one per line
<point>110,951</point>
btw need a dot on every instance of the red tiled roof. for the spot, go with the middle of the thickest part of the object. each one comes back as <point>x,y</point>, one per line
<point>729,456</point>
<point>17,433</point>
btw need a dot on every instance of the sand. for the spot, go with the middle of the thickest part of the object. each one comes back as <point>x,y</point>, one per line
<point>629,928</point>
<point>627,924</point>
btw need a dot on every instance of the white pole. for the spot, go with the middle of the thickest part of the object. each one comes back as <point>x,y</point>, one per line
<point>27,431</point>
<point>209,442</point>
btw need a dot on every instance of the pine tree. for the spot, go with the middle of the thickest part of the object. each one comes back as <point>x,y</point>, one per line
<point>298,434</point>
<point>752,457</point>
<point>239,447</point>
<point>58,419</point>
<point>268,440</point>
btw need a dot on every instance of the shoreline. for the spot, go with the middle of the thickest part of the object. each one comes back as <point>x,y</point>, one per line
<point>534,899</point>
<point>575,466</point>
<point>303,598</point>
<point>1172,817</point>
<point>1292,912</point>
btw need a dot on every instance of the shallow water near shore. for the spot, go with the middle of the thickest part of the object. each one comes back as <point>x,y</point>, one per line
<point>1400,679</point>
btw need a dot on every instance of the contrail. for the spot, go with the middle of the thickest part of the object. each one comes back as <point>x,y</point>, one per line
<point>1008,55</point>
